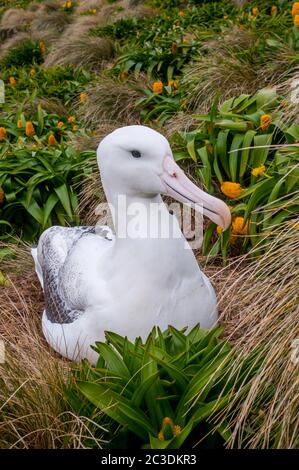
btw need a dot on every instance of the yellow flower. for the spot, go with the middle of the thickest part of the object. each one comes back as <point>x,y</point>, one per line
<point>181,13</point>
<point>296,20</point>
<point>42,47</point>
<point>255,11</point>
<point>83,97</point>
<point>225,17</point>
<point>123,76</point>
<point>274,10</point>
<point>258,171</point>
<point>219,230</point>
<point>161,436</point>
<point>3,133</point>
<point>177,430</point>
<point>75,128</point>
<point>12,81</point>
<point>3,279</point>
<point>2,196</point>
<point>19,124</point>
<point>29,129</point>
<point>158,87</point>
<point>93,11</point>
<point>265,121</point>
<point>239,227</point>
<point>71,119</point>
<point>52,140</point>
<point>60,125</point>
<point>295,9</point>
<point>231,189</point>
<point>32,72</point>
<point>167,420</point>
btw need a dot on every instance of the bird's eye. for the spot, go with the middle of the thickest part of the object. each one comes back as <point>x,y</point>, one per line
<point>136,154</point>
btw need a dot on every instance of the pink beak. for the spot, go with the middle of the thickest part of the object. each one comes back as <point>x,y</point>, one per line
<point>181,188</point>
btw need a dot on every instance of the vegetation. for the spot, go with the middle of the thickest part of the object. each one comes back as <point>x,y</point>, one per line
<point>221,81</point>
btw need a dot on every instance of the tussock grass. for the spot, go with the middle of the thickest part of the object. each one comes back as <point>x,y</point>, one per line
<point>13,21</point>
<point>86,51</point>
<point>34,412</point>
<point>261,315</point>
<point>112,101</point>
<point>49,26</point>
<point>232,65</point>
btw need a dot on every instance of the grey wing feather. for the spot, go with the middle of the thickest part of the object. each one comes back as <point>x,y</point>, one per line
<point>54,245</point>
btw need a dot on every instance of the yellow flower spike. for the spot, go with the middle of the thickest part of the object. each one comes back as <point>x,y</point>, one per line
<point>295,9</point>
<point>12,81</point>
<point>239,227</point>
<point>274,10</point>
<point>29,129</point>
<point>83,97</point>
<point>231,189</point>
<point>167,420</point>
<point>71,119</point>
<point>177,430</point>
<point>60,125</point>
<point>52,140</point>
<point>265,121</point>
<point>158,87</point>
<point>2,195</point>
<point>174,48</point>
<point>219,230</point>
<point>258,171</point>
<point>123,76</point>
<point>296,20</point>
<point>19,124</point>
<point>255,12</point>
<point>3,133</point>
<point>161,436</point>
<point>42,47</point>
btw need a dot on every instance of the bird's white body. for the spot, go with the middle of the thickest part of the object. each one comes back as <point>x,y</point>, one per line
<point>125,285</point>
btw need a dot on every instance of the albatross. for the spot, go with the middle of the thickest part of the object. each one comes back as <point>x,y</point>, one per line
<point>121,280</point>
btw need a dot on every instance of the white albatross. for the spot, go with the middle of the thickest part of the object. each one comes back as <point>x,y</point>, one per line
<point>95,282</point>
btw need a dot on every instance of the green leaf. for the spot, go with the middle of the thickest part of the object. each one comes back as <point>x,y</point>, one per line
<point>234,155</point>
<point>246,151</point>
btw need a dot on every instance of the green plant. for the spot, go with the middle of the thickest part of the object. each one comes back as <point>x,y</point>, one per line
<point>26,53</point>
<point>146,388</point>
<point>254,157</point>
<point>40,187</point>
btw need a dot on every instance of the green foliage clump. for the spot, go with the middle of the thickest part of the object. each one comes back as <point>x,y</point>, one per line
<point>161,393</point>
<point>25,53</point>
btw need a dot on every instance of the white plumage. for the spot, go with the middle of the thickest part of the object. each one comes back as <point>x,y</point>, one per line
<point>95,282</point>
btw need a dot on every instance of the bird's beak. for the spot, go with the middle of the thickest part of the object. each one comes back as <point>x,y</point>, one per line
<point>181,188</point>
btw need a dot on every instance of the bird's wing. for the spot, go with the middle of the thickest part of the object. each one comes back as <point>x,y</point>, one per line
<point>52,251</point>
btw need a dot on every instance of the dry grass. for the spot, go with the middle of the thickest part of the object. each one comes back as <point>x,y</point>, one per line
<point>90,52</point>
<point>261,315</point>
<point>34,412</point>
<point>13,21</point>
<point>230,66</point>
<point>49,26</point>
<point>110,100</point>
